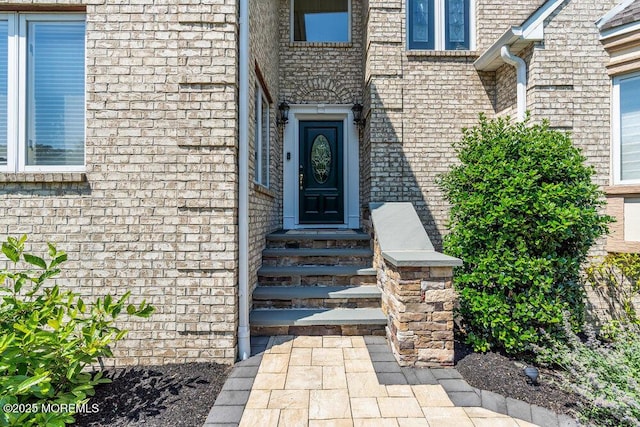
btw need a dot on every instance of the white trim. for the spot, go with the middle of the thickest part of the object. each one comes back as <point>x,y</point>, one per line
<point>438,23</point>
<point>291,24</point>
<point>259,142</point>
<point>472,25</point>
<point>12,95</point>
<point>531,30</point>
<point>351,163</point>
<point>621,30</point>
<point>616,155</point>
<point>17,91</point>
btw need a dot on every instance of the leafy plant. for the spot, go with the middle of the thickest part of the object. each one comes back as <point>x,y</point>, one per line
<point>48,336</point>
<point>606,376</point>
<point>617,280</point>
<point>524,214</point>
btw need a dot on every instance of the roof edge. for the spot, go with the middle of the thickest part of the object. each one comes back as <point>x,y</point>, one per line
<point>621,30</point>
<point>530,31</point>
<point>613,12</point>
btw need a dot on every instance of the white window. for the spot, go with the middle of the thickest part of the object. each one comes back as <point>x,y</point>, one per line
<point>439,24</point>
<point>626,129</point>
<point>42,92</point>
<point>262,126</point>
<point>320,20</point>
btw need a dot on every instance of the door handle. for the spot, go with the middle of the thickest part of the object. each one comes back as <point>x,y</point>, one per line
<point>301,180</point>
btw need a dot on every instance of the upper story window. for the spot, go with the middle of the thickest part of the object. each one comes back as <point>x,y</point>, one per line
<point>626,129</point>
<point>439,24</point>
<point>321,20</point>
<point>42,92</point>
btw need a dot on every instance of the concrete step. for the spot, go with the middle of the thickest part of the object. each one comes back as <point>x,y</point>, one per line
<point>316,256</point>
<point>318,239</point>
<point>315,270</point>
<point>316,297</point>
<point>317,252</point>
<point>340,321</point>
<point>314,275</point>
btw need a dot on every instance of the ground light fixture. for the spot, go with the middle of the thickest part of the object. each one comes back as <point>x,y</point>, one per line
<point>283,113</point>
<point>532,373</point>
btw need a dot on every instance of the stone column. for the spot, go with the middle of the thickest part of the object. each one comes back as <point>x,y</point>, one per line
<point>418,303</point>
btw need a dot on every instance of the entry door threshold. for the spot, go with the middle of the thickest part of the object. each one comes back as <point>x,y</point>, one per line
<point>320,226</point>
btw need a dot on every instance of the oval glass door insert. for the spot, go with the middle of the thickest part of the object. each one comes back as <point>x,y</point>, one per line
<point>321,159</point>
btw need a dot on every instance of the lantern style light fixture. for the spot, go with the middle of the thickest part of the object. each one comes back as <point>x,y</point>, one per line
<point>283,113</point>
<point>357,114</point>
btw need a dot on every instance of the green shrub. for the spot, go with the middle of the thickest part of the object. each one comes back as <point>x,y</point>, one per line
<point>605,376</point>
<point>47,337</point>
<point>524,214</point>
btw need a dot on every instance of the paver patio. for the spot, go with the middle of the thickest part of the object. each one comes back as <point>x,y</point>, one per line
<point>331,381</point>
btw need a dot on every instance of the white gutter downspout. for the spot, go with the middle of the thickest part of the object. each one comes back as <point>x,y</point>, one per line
<point>521,74</point>
<point>244,342</point>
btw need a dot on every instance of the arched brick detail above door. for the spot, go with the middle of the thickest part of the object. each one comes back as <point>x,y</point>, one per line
<point>322,91</point>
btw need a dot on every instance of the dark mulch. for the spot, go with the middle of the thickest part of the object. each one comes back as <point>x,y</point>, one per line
<point>500,374</point>
<point>182,395</point>
<point>169,395</point>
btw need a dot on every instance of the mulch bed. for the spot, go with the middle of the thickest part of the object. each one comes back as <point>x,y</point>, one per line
<point>182,395</point>
<point>501,374</point>
<point>169,395</point>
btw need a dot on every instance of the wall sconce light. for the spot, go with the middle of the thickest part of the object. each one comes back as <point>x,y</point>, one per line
<point>357,115</point>
<point>283,113</point>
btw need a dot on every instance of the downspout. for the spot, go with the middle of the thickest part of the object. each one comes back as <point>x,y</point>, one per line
<point>244,342</point>
<point>521,74</point>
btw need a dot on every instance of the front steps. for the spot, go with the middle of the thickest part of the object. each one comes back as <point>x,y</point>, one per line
<point>317,282</point>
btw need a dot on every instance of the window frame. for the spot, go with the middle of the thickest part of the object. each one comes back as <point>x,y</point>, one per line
<point>17,114</point>
<point>292,23</point>
<point>616,131</point>
<point>261,99</point>
<point>439,27</point>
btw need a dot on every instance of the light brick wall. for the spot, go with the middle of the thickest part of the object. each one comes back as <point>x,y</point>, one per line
<point>419,102</point>
<point>569,81</point>
<point>265,205</point>
<point>156,213</point>
<point>328,73</point>
<point>494,17</point>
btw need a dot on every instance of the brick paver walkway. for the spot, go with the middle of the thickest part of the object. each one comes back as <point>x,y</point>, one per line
<point>331,381</point>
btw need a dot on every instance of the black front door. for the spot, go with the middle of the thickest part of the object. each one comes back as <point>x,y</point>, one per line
<point>320,173</point>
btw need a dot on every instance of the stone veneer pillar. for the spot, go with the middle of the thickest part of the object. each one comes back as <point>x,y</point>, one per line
<point>416,284</point>
<point>418,303</point>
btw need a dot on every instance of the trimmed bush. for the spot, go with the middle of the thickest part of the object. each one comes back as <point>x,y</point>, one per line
<point>47,338</point>
<point>524,214</point>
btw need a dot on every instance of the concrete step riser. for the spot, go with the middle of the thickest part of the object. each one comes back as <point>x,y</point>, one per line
<point>345,330</point>
<point>278,261</point>
<point>318,244</point>
<point>296,280</point>
<point>319,303</point>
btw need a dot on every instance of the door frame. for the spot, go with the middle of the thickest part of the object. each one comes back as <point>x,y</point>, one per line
<point>350,163</point>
